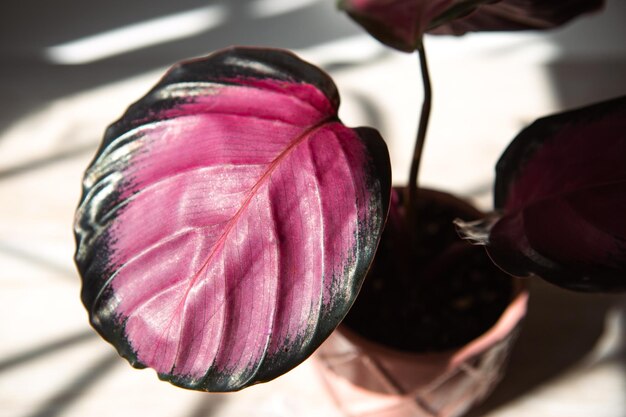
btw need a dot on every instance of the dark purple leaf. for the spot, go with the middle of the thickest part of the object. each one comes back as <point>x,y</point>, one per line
<point>228,219</point>
<point>506,15</point>
<point>561,189</point>
<point>402,23</point>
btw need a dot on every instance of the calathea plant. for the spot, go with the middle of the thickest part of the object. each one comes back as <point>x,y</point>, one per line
<point>229,218</point>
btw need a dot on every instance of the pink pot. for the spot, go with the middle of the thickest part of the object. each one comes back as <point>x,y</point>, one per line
<point>368,379</point>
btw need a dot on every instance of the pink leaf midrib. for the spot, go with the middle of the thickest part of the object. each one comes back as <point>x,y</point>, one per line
<point>246,202</point>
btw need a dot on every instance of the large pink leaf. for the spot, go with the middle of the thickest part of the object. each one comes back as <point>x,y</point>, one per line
<point>228,220</point>
<point>561,190</point>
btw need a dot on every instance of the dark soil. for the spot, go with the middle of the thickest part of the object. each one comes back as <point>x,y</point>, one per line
<point>438,297</point>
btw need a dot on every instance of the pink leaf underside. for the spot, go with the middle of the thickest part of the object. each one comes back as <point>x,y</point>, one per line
<point>239,225</point>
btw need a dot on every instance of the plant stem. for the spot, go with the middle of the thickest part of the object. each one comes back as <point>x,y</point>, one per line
<point>419,141</point>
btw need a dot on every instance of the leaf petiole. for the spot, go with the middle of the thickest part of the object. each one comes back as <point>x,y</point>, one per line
<point>411,201</point>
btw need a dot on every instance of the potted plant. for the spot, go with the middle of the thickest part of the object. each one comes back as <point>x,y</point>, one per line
<point>229,220</point>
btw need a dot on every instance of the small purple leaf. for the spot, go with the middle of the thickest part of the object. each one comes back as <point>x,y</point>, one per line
<point>561,188</point>
<point>228,220</point>
<point>397,23</point>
